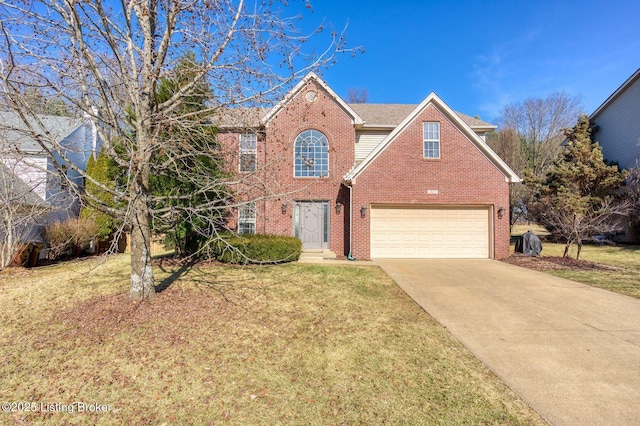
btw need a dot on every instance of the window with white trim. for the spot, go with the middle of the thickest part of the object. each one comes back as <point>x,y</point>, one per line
<point>247,219</point>
<point>248,152</point>
<point>431,147</point>
<point>311,155</point>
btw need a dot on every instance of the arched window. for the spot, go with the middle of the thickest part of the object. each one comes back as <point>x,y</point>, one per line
<point>311,155</point>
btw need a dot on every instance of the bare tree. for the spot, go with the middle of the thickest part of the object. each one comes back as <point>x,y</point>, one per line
<point>633,197</point>
<point>357,96</point>
<point>529,141</point>
<point>539,125</point>
<point>112,56</point>
<point>575,227</point>
<point>507,143</point>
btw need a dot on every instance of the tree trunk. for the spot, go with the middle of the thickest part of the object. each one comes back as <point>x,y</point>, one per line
<point>579,249</point>
<point>142,284</point>
<point>7,246</point>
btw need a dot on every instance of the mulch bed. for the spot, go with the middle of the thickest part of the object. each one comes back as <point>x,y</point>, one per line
<point>547,263</point>
<point>172,310</point>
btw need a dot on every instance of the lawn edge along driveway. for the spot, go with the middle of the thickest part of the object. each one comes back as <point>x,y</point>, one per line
<point>571,351</point>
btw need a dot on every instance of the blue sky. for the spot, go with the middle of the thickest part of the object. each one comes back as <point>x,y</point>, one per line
<point>479,55</point>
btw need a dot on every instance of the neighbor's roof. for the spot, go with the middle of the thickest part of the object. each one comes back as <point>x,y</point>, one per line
<point>618,92</point>
<point>14,131</point>
<point>14,189</point>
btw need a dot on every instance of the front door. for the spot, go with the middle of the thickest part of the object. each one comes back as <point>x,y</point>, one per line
<point>311,224</point>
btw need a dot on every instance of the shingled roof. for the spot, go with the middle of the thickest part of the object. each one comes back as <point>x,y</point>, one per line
<point>390,115</point>
<point>14,132</point>
<point>15,190</point>
<point>374,115</point>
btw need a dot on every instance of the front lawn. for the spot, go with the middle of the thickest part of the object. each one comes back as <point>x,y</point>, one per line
<point>620,272</point>
<point>292,344</point>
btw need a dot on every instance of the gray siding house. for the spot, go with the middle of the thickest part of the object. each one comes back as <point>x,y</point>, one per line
<point>618,119</point>
<point>26,163</point>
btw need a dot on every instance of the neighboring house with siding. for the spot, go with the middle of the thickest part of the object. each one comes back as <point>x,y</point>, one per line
<point>26,157</point>
<point>618,124</point>
<point>618,121</point>
<point>21,218</point>
<point>370,180</point>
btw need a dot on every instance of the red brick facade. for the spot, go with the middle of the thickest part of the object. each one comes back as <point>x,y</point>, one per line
<point>463,176</point>
<point>399,175</point>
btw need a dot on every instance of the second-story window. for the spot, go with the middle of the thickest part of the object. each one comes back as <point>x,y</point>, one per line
<point>431,140</point>
<point>248,152</point>
<point>311,155</point>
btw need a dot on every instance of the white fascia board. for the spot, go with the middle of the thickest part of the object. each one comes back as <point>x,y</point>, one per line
<point>355,118</point>
<point>484,129</point>
<point>617,93</point>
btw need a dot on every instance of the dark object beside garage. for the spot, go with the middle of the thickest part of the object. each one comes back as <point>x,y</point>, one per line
<point>529,244</point>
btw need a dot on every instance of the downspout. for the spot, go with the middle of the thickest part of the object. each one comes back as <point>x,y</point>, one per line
<point>350,256</point>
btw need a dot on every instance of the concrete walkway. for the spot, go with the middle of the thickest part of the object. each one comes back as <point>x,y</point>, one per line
<point>571,351</point>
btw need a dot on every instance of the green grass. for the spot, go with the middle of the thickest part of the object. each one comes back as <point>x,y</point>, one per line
<point>625,279</point>
<point>291,344</point>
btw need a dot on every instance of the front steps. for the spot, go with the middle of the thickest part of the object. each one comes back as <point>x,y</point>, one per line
<point>316,256</point>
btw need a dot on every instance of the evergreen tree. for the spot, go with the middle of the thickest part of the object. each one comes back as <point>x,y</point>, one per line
<point>183,223</point>
<point>104,170</point>
<point>576,199</point>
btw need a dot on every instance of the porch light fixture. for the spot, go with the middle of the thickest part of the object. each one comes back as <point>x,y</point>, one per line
<point>338,207</point>
<point>284,208</point>
<point>501,212</point>
<point>363,211</point>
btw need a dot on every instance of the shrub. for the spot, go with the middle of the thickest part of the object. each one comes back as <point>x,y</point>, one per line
<point>72,237</point>
<point>258,248</point>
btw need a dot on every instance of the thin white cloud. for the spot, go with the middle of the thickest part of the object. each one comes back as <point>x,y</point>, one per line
<point>494,71</point>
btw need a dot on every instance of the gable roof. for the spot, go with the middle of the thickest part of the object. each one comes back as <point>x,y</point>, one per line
<point>618,92</point>
<point>457,120</point>
<point>14,132</point>
<point>355,118</point>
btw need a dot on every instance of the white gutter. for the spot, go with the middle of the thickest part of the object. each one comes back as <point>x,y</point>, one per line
<point>350,255</point>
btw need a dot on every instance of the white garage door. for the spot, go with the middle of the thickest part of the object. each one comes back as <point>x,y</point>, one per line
<point>429,232</point>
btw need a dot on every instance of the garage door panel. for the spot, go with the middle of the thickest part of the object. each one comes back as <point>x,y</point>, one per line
<point>430,232</point>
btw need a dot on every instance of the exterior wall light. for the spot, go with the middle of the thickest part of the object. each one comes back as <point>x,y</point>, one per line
<point>363,211</point>
<point>284,208</point>
<point>338,207</point>
<point>501,212</point>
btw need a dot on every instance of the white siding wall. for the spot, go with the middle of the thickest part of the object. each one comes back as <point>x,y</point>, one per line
<point>619,123</point>
<point>32,170</point>
<point>366,141</point>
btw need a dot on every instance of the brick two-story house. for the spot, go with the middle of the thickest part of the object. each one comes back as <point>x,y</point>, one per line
<point>368,180</point>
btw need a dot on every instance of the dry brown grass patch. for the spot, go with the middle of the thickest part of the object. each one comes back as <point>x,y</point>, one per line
<point>294,344</point>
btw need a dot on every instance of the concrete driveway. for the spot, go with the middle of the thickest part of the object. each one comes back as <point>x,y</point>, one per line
<point>571,351</point>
